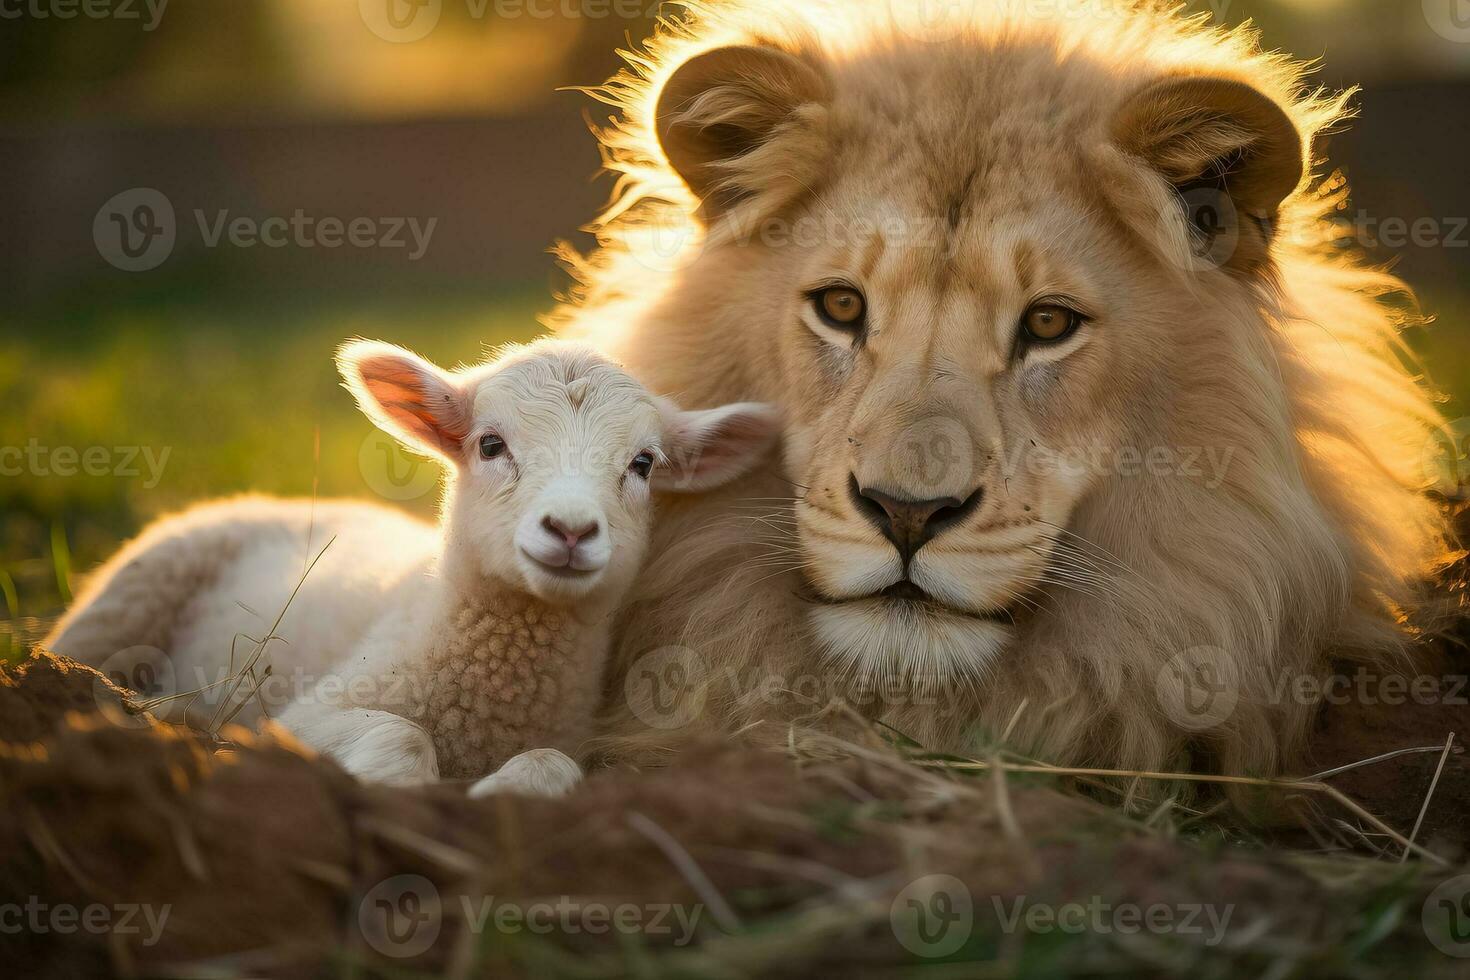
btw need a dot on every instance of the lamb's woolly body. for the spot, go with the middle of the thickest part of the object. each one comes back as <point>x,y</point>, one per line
<point>1310,546</point>
<point>194,582</point>
<point>506,673</point>
<point>487,671</point>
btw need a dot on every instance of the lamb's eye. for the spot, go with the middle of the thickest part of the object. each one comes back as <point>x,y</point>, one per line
<point>1047,323</point>
<point>841,307</point>
<point>642,464</point>
<point>491,446</point>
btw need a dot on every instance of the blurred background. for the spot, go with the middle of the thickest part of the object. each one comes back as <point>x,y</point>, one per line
<point>161,340</point>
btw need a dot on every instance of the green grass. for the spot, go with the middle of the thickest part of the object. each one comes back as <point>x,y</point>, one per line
<point>182,402</point>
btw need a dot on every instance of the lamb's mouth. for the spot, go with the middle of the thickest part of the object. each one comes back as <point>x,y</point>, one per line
<point>568,573</point>
<point>905,596</point>
<point>552,581</point>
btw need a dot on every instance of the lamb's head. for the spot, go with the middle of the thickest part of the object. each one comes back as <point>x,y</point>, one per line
<point>554,454</point>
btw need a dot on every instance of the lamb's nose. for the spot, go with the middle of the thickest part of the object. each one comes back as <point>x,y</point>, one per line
<point>906,522</point>
<point>571,532</point>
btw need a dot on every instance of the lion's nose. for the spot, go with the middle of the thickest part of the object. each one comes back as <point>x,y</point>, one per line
<point>907,522</point>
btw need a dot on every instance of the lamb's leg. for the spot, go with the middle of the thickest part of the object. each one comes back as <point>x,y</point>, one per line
<point>539,772</point>
<point>375,746</point>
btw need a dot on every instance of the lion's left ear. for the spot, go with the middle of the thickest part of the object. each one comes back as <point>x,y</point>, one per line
<point>743,120</point>
<point>1231,153</point>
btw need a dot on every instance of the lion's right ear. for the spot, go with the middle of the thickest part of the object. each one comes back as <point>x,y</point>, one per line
<point>742,121</point>
<point>1231,153</point>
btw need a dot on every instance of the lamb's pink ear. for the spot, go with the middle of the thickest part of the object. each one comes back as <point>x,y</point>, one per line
<point>407,397</point>
<point>1231,152</point>
<point>708,449</point>
<point>742,120</point>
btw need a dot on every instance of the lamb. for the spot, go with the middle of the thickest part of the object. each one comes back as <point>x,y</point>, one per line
<point>422,653</point>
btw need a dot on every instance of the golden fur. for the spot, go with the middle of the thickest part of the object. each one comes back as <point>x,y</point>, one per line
<point>958,171</point>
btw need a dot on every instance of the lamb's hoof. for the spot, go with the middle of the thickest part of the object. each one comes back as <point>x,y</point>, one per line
<point>397,752</point>
<point>539,772</point>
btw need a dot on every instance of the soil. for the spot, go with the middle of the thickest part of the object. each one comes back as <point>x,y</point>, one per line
<point>273,862</point>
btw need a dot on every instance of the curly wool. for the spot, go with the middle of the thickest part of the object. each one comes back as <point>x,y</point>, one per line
<point>506,678</point>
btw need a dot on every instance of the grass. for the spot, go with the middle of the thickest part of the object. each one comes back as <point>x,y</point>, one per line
<point>183,401</point>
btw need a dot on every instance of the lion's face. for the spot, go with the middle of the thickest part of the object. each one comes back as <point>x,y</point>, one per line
<point>965,323</point>
<point>948,374</point>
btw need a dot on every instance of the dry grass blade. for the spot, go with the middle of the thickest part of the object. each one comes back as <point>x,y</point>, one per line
<point>689,868</point>
<point>255,655</point>
<point>1433,783</point>
<point>1372,761</point>
<point>1284,784</point>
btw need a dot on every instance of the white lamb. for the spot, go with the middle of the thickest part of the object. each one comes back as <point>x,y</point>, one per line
<point>420,653</point>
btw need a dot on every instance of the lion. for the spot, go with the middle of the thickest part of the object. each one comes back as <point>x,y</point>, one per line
<point>1097,437</point>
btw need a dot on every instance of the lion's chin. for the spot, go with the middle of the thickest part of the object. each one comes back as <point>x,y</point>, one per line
<point>883,638</point>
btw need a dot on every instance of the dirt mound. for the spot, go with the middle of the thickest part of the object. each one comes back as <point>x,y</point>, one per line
<point>142,849</point>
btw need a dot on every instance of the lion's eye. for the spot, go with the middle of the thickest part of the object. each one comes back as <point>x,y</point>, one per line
<point>1048,323</point>
<point>841,307</point>
<point>491,446</point>
<point>642,464</point>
